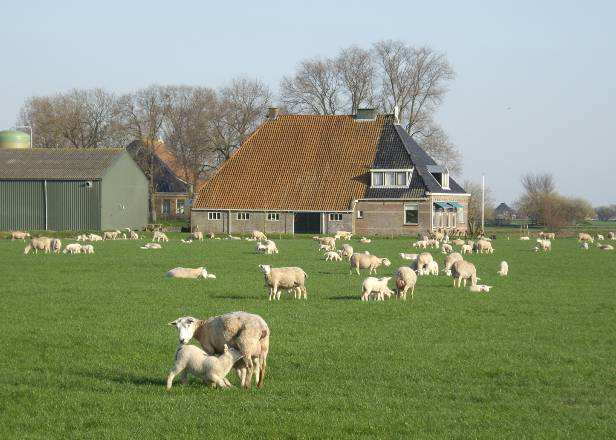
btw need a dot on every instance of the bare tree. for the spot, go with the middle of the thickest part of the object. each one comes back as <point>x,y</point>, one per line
<point>39,113</point>
<point>474,205</point>
<point>437,144</point>
<point>315,88</point>
<point>356,71</point>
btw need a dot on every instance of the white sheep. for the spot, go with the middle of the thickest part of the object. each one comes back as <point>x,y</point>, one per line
<point>411,257</point>
<point>466,249</point>
<point>422,244</point>
<point>73,248</point>
<point>446,248</point>
<point>406,278</point>
<point>56,245</point>
<point>524,238</point>
<point>545,244</point>
<point>325,247</point>
<point>584,246</point>
<point>82,237</point>
<point>87,249</point>
<point>600,237</point>
<point>343,235</point>
<point>212,369</point>
<point>187,241</point>
<point>432,268</point>
<point>605,247</point>
<point>423,260</point>
<point>333,256</point>
<point>347,251</point>
<point>458,242</point>
<point>111,235</point>
<point>19,235</point>
<point>197,235</point>
<point>463,270</point>
<point>151,246</point>
<point>38,244</point>
<point>160,236</point>
<point>185,272</point>
<point>367,261</point>
<point>365,240</point>
<point>504,269</point>
<point>483,245</point>
<point>257,235</point>
<point>284,278</point>
<point>480,288</point>
<point>375,288</point>
<point>133,235</point>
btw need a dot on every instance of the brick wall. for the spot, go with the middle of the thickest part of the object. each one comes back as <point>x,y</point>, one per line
<point>387,218</point>
<point>257,221</point>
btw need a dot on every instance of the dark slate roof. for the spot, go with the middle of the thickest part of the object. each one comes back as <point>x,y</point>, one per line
<point>503,208</point>
<point>57,163</point>
<point>165,180</point>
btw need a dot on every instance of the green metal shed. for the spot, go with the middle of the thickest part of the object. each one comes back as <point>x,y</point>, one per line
<point>71,189</point>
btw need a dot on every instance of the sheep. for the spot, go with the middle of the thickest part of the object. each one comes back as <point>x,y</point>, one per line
<point>549,235</point>
<point>605,247</point>
<point>330,241</point>
<point>38,244</point>
<point>611,236</point>
<point>483,245</point>
<point>432,268</point>
<point>504,269</point>
<point>212,369</point>
<point>257,235</point>
<point>333,256</point>
<point>73,248</point>
<point>462,270</point>
<point>19,235</point>
<point>375,288</point>
<point>197,235</point>
<point>325,247</point>
<point>347,251</point>
<point>433,243</point>
<point>422,244</point>
<point>343,235</point>
<point>56,245</point>
<point>111,235</point>
<point>243,331</point>
<point>211,235</point>
<point>466,249</point>
<point>365,261</point>
<point>232,237</point>
<point>94,237</point>
<point>524,238</point>
<point>423,260</point>
<point>151,246</point>
<point>446,248</point>
<point>87,249</point>
<point>268,247</point>
<point>600,237</point>
<point>160,236</point>
<point>411,257</point>
<point>449,260</point>
<point>406,278</point>
<point>132,235</point>
<point>480,288</point>
<point>187,241</point>
<point>365,240</point>
<point>584,246</point>
<point>536,249</point>
<point>184,272</point>
<point>458,242</point>
<point>583,236</point>
<point>284,278</point>
<point>545,244</point>
<point>82,237</point>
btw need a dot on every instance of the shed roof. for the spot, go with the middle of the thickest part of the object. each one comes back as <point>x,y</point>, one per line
<point>57,163</point>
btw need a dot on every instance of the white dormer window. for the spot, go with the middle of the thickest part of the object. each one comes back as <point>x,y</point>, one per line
<point>440,174</point>
<point>391,178</point>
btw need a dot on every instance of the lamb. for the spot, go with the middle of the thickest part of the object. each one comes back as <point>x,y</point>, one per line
<point>347,251</point>
<point>330,241</point>
<point>480,288</point>
<point>430,269</point>
<point>19,235</point>
<point>232,237</point>
<point>411,257</point>
<point>111,235</point>
<point>458,242</point>
<point>325,247</point>
<point>197,235</point>
<point>600,237</point>
<point>56,245</point>
<point>284,278</point>
<point>268,247</point>
<point>466,249</point>
<point>365,240</point>
<point>82,237</point>
<point>584,246</point>
<point>446,248</point>
<point>366,261</point>
<point>422,244</point>
<point>524,238</point>
<point>406,278</point>
<point>343,235</point>
<point>545,244</point>
<point>243,331</point>
<point>583,236</point>
<point>433,243</point>
<point>611,236</point>
<point>375,288</point>
<point>504,269</point>
<point>38,244</point>
<point>151,246</point>
<point>132,235</point>
<point>94,237</point>
<point>184,272</point>
<point>549,235</point>
<point>605,247</point>
<point>257,235</point>
<point>463,270</point>
<point>449,260</point>
<point>73,248</point>
<point>333,256</point>
<point>87,249</point>
<point>160,236</point>
<point>212,369</point>
<point>423,260</point>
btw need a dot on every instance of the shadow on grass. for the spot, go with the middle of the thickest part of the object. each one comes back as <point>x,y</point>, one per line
<point>123,378</point>
<point>344,298</point>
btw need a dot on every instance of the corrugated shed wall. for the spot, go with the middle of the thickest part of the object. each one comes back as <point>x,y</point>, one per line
<point>73,205</point>
<point>22,204</point>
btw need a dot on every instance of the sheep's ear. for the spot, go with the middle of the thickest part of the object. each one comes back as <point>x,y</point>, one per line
<point>174,323</point>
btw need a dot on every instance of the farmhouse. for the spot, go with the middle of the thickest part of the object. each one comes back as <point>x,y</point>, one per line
<point>320,174</point>
<point>71,189</point>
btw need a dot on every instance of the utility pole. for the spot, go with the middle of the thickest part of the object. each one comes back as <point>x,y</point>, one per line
<point>483,202</point>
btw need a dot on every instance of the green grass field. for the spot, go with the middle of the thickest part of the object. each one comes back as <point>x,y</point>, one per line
<point>85,346</point>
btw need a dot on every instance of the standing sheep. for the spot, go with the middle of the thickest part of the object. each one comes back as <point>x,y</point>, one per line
<point>466,249</point>
<point>583,236</point>
<point>284,278</point>
<point>372,287</point>
<point>160,236</point>
<point>504,269</point>
<point>333,256</point>
<point>463,270</point>
<point>257,235</point>
<point>87,249</point>
<point>19,235</point>
<point>56,245</point>
<point>73,248</point>
<point>423,260</point>
<point>366,261</point>
<point>446,248</point>
<point>347,251</point>
<point>406,278</point>
<point>449,260</point>
<point>38,244</point>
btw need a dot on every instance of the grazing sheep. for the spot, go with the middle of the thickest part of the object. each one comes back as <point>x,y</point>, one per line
<point>458,242</point>
<point>268,247</point>
<point>524,238</point>
<point>367,261</point>
<point>432,268</point>
<point>583,236</point>
<point>38,244</point>
<point>433,243</point>
<point>484,245</point>
<point>82,237</point>
<point>333,256</point>
<point>406,278</point>
<point>87,249</point>
<point>411,257</point>
<point>343,235</point>
<point>56,245</point>
<point>132,235</point>
<point>211,235</point>
<point>197,235</point>
<point>365,240</point>
<point>19,235</point>
<point>151,246</point>
<point>423,260</point>
<point>480,288</point>
<point>611,236</point>
<point>212,369</point>
<point>185,272</point>
<point>446,248</point>
<point>504,269</point>
<point>347,251</point>
<point>605,247</point>
<point>375,288</point>
<point>257,235</point>
<point>73,248</point>
<point>325,247</point>
<point>284,278</point>
<point>545,244</point>
<point>422,244</point>
<point>160,236</point>
<point>463,270</point>
<point>330,241</point>
<point>449,260</point>
<point>243,331</point>
<point>584,246</point>
<point>111,235</point>
<point>94,237</point>
<point>600,237</point>
<point>466,249</point>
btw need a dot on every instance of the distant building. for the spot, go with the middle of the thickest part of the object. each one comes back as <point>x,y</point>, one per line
<point>71,189</point>
<point>320,174</point>
<point>504,214</point>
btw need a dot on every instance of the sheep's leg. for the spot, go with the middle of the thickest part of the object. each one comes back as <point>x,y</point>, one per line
<point>177,369</point>
<point>412,293</point>
<point>184,377</point>
<point>257,371</point>
<point>241,374</point>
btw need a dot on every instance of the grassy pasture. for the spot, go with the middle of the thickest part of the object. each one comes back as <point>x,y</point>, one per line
<point>85,347</point>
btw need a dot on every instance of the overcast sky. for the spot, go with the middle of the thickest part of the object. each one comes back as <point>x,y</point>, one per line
<point>535,87</point>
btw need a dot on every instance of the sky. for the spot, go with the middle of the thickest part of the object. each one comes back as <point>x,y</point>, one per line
<point>535,87</point>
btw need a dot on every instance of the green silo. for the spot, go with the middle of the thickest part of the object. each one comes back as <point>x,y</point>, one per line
<point>14,139</point>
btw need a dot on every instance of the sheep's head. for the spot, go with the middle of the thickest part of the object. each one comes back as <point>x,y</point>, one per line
<point>186,325</point>
<point>265,268</point>
<point>203,272</point>
<point>386,262</point>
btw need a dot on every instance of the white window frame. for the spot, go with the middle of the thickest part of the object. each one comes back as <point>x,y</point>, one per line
<point>335,217</point>
<point>445,180</point>
<point>214,215</point>
<point>393,173</point>
<point>273,216</point>
<point>360,214</point>
<point>406,208</point>
<point>178,205</point>
<point>460,215</point>
<point>242,216</point>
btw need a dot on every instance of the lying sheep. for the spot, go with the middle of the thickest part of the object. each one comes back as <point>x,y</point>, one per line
<point>185,272</point>
<point>449,260</point>
<point>38,244</point>
<point>504,269</point>
<point>446,248</point>
<point>366,261</point>
<point>151,246</point>
<point>584,246</point>
<point>212,369</point>
<point>365,240</point>
<point>605,247</point>
<point>160,236</point>
<point>284,278</point>
<point>333,256</point>
<point>583,236</point>
<point>524,238</point>
<point>73,248</point>
<point>111,235</point>
<point>411,257</point>
<point>480,288</point>
<point>466,249</point>
<point>87,249</point>
<point>19,235</point>
<point>406,278</point>
<point>257,235</point>
<point>600,237</point>
<point>268,247</point>
<point>375,288</point>
<point>463,270</point>
<point>197,235</point>
<point>347,251</point>
<point>94,237</point>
